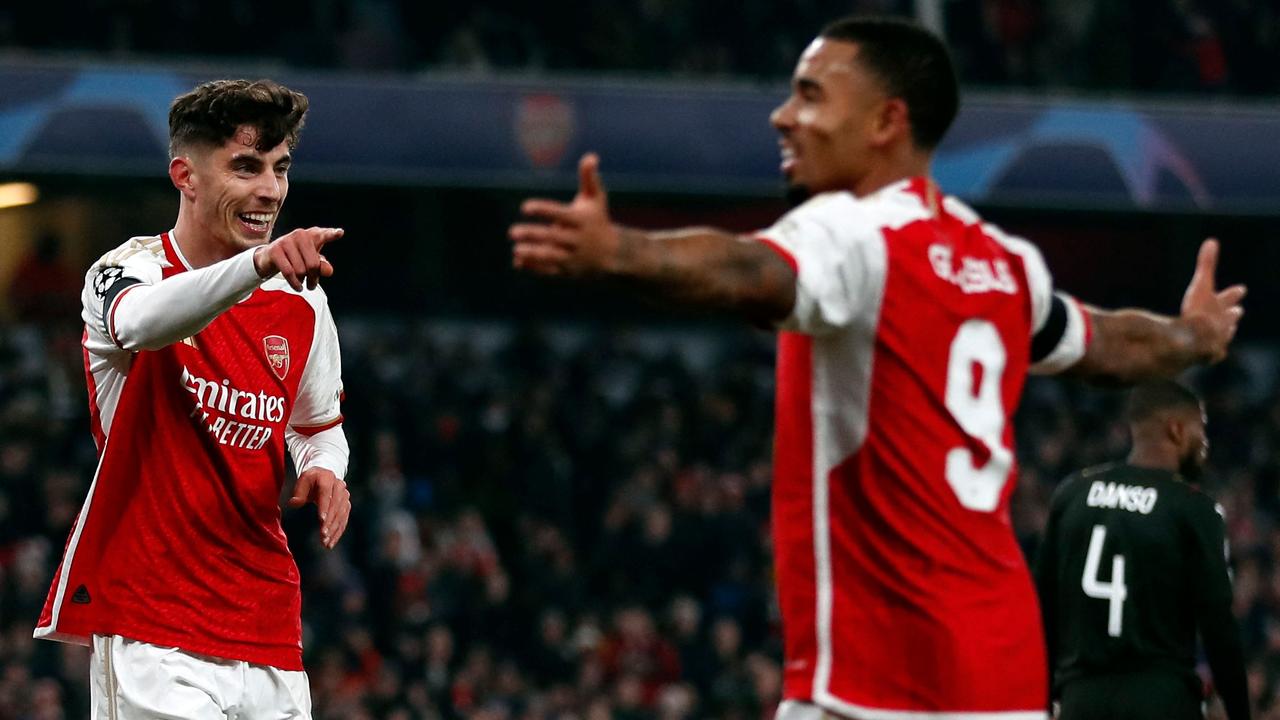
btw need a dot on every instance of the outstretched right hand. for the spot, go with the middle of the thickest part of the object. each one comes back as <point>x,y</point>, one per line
<point>296,256</point>
<point>1216,311</point>
<point>576,238</point>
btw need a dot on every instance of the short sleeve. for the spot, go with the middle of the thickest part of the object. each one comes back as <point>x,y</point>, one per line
<point>1060,331</point>
<point>1039,281</point>
<point>139,261</point>
<point>318,405</point>
<point>839,256</point>
<point>1063,339</point>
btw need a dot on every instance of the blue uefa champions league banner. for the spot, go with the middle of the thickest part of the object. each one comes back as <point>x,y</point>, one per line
<point>681,137</point>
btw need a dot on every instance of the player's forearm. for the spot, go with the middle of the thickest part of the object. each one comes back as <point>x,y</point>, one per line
<point>1226,660</point>
<point>327,449</point>
<point>1130,346</point>
<point>707,268</point>
<point>148,317</point>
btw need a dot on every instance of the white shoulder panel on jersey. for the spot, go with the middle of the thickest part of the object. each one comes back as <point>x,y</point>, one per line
<point>1039,281</point>
<point>959,210</point>
<point>837,243</point>
<point>140,259</point>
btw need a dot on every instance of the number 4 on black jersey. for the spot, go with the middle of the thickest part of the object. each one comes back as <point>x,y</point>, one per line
<point>1133,565</point>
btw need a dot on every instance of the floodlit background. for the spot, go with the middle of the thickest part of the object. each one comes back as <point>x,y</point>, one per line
<point>562,495</point>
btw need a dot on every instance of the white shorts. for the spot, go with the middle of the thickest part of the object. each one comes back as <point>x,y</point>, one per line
<point>131,680</point>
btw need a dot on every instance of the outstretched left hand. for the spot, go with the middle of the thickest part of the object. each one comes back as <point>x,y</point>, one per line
<point>332,499</point>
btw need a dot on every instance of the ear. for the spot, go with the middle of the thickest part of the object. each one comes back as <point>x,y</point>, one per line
<point>182,174</point>
<point>1176,430</point>
<point>892,122</point>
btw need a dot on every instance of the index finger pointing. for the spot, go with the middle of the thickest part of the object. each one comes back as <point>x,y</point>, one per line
<point>324,236</point>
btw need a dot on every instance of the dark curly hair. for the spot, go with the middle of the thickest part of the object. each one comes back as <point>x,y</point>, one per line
<point>210,114</point>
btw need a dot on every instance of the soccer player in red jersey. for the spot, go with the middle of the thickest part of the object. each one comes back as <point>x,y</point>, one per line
<point>907,329</point>
<point>208,349</point>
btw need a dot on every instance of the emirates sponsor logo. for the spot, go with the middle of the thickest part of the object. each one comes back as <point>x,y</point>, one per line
<point>223,409</point>
<point>277,349</point>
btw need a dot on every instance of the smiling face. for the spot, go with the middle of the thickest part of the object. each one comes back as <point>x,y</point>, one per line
<point>235,190</point>
<point>832,122</point>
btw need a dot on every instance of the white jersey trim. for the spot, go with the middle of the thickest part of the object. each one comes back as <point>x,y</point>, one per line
<point>841,392</point>
<point>829,238</point>
<point>1073,344</point>
<point>796,710</point>
<point>841,376</point>
<point>1039,281</point>
<point>50,631</point>
<point>177,249</point>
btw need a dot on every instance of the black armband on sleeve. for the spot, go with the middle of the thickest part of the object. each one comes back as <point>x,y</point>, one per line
<point>1051,334</point>
<point>113,291</point>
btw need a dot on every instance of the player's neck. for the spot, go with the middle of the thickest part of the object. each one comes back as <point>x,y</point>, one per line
<point>902,164</point>
<point>1153,458</point>
<point>198,247</point>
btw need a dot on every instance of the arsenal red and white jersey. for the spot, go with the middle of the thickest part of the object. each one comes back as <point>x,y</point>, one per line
<point>179,541</point>
<point>903,590</point>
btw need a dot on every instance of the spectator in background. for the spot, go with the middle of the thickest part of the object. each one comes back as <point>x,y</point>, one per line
<point>541,555</point>
<point>43,288</point>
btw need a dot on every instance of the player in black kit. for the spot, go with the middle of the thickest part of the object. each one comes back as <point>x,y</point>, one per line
<point>1132,566</point>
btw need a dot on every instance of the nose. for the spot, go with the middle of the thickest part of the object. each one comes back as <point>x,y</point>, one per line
<point>783,117</point>
<point>270,188</point>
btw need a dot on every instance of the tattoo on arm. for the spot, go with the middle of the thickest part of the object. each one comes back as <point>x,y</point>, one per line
<point>710,269</point>
<point>1134,345</point>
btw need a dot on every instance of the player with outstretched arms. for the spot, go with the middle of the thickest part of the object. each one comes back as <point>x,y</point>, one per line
<point>907,329</point>
<point>208,350</point>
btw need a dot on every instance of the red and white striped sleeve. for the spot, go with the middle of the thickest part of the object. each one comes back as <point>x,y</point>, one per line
<point>1060,326</point>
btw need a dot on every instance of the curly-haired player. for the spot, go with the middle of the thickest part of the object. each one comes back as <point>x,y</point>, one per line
<point>208,349</point>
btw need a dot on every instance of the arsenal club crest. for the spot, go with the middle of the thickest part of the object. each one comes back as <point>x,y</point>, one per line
<point>277,354</point>
<point>545,126</point>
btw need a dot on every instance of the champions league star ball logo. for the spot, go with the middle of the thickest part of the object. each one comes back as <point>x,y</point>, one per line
<point>277,354</point>
<point>105,278</point>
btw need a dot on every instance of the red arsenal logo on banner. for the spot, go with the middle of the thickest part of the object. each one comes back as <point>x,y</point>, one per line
<point>277,354</point>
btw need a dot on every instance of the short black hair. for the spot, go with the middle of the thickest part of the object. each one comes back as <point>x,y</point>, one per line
<point>211,113</point>
<point>1152,398</point>
<point>912,63</point>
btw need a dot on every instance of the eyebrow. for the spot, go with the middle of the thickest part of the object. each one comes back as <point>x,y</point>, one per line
<point>808,84</point>
<point>256,159</point>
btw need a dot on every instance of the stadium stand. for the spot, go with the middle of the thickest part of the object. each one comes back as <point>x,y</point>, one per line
<point>561,523</point>
<point>1183,47</point>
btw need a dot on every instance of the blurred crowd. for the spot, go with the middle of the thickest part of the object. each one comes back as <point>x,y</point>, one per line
<point>555,523</point>
<point>1170,46</point>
